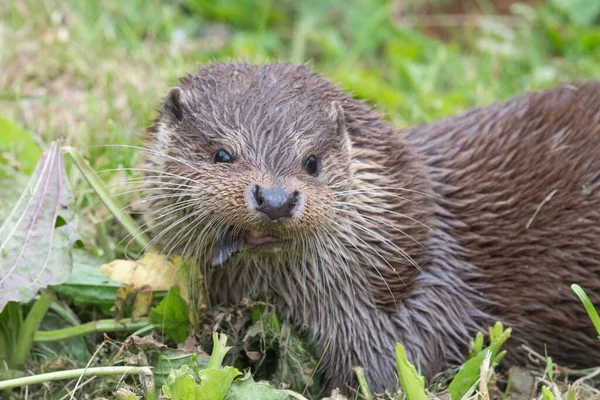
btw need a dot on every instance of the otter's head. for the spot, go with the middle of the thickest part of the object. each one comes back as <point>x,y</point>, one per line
<point>247,159</point>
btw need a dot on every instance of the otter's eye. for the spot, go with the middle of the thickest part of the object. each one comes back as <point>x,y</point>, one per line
<point>222,156</point>
<point>311,165</point>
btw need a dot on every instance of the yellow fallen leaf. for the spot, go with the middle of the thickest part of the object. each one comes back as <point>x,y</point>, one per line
<point>141,305</point>
<point>152,272</point>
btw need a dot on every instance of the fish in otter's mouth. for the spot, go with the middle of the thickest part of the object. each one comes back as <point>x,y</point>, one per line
<point>229,245</point>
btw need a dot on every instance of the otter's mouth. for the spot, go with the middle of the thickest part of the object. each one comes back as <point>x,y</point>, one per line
<point>229,245</point>
<point>260,239</point>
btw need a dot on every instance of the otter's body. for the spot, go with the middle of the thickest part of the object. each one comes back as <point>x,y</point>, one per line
<point>281,185</point>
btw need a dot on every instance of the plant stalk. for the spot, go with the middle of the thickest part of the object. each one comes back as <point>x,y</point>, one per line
<point>74,373</point>
<point>29,328</point>
<point>219,350</point>
<point>362,382</point>
<point>102,325</point>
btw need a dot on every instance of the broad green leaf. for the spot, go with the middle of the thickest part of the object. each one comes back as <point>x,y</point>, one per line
<point>87,285</point>
<point>581,12</point>
<point>247,388</point>
<point>11,320</point>
<point>214,383</point>
<point>12,183</point>
<point>547,393</point>
<point>218,383</point>
<point>412,384</point>
<point>167,359</point>
<point>171,316</point>
<point>37,236</point>
<point>19,143</point>
<point>181,385</point>
<point>74,348</point>
<point>571,393</point>
<point>184,388</point>
<point>466,377</point>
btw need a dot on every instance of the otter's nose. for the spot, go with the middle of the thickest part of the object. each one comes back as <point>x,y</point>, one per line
<point>275,203</point>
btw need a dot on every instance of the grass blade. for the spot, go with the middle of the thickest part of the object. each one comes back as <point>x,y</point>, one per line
<point>412,384</point>
<point>124,219</point>
<point>589,307</point>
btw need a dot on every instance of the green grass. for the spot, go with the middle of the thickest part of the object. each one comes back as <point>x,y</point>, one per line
<point>93,73</point>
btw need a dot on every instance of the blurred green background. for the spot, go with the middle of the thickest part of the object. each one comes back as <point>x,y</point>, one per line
<point>93,72</point>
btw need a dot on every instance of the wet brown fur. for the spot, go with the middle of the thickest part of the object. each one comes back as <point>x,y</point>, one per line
<point>422,236</point>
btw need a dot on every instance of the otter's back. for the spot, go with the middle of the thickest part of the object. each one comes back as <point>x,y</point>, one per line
<point>521,183</point>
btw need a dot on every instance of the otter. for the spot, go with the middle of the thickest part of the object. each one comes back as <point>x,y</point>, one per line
<point>280,184</point>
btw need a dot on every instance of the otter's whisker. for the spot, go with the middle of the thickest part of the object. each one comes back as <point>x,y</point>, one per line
<point>392,245</point>
<point>154,152</point>
<point>385,210</point>
<point>171,226</point>
<point>183,231</point>
<point>178,200</point>
<point>175,192</point>
<point>375,268</point>
<point>162,210</point>
<point>338,252</point>
<point>151,179</point>
<point>384,191</point>
<point>160,187</point>
<point>158,172</point>
<point>168,210</point>
<point>379,223</point>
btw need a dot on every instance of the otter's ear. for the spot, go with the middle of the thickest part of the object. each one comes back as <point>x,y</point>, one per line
<point>174,103</point>
<point>336,115</point>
